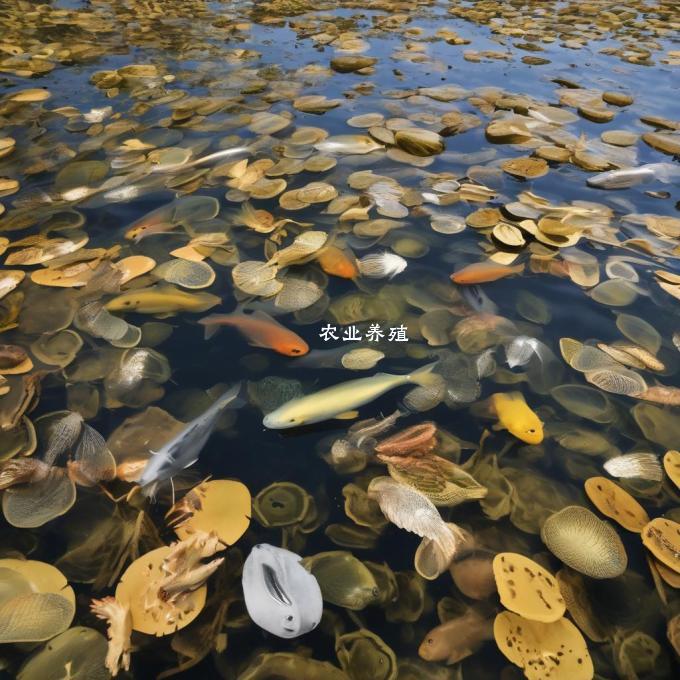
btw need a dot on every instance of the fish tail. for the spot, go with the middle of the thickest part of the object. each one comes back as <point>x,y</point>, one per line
<point>424,376</point>
<point>211,324</point>
<point>235,397</point>
<point>149,491</point>
<point>450,539</point>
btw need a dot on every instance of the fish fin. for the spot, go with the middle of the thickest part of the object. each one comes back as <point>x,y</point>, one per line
<point>149,491</point>
<point>424,376</point>
<point>404,410</point>
<point>235,396</point>
<point>497,426</point>
<point>240,398</point>
<point>210,329</point>
<point>188,228</point>
<point>263,316</point>
<point>164,315</point>
<point>513,396</point>
<point>256,343</point>
<point>347,415</point>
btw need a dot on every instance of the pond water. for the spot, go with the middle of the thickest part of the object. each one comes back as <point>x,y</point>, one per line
<point>492,186</point>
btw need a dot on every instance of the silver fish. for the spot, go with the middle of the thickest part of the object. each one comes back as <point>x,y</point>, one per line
<point>281,596</point>
<point>522,348</point>
<point>184,448</point>
<point>630,177</point>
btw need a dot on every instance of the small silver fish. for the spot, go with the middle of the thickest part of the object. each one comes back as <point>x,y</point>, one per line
<point>521,349</point>
<point>98,115</point>
<point>630,177</point>
<point>217,155</point>
<point>184,448</point>
<point>281,596</point>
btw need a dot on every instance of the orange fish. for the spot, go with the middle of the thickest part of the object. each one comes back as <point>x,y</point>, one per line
<point>260,329</point>
<point>482,272</point>
<point>337,262</point>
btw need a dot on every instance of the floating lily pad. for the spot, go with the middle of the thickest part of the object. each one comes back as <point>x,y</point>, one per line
<point>526,588</point>
<point>219,505</point>
<point>556,648</point>
<point>281,504</point>
<point>616,503</point>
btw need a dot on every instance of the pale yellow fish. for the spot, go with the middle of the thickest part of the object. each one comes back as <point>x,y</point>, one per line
<point>339,400</point>
<point>162,299</point>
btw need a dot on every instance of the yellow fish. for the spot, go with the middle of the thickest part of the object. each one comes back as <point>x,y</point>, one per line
<point>162,299</point>
<point>515,416</point>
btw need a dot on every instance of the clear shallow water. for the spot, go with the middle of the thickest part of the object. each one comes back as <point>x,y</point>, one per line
<point>194,43</point>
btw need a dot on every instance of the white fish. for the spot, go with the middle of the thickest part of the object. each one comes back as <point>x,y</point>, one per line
<point>519,350</point>
<point>381,265</point>
<point>98,115</point>
<point>676,340</point>
<point>76,194</point>
<point>341,400</point>
<point>630,177</point>
<point>635,466</point>
<point>281,596</point>
<point>184,448</point>
<point>429,197</point>
<point>409,509</point>
<point>217,155</point>
<point>122,194</point>
<point>351,144</point>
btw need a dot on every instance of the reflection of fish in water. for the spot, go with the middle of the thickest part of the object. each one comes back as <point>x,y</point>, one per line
<point>483,272</point>
<point>260,329</point>
<point>478,300</point>
<point>339,401</point>
<point>281,596</point>
<point>184,448</point>
<point>515,416</point>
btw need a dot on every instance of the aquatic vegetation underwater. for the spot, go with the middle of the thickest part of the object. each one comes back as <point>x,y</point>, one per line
<point>339,340</point>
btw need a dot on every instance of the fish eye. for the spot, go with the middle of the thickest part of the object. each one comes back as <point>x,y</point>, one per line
<point>292,420</point>
<point>532,430</point>
<point>430,641</point>
<point>289,618</point>
<point>295,350</point>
